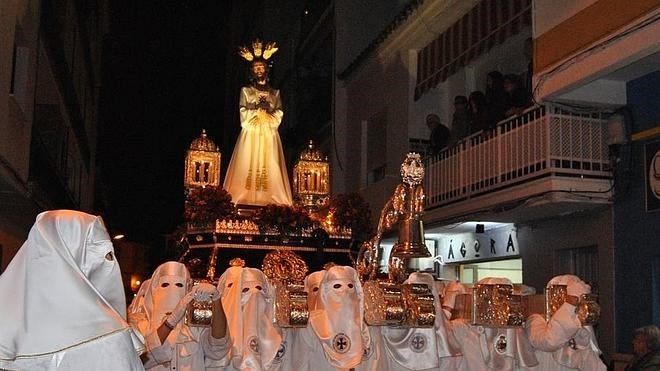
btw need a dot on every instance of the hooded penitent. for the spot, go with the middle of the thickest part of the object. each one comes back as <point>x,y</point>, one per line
<point>501,346</point>
<point>421,348</point>
<point>63,288</point>
<point>338,319</point>
<point>312,287</point>
<point>247,299</point>
<point>572,345</point>
<point>168,285</point>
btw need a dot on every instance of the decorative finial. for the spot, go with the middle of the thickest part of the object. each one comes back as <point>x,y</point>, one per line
<point>412,170</point>
<point>237,262</point>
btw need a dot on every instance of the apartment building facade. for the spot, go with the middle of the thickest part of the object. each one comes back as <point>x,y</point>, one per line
<point>50,56</point>
<point>549,191</point>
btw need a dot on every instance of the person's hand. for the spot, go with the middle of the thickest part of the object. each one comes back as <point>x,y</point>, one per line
<point>205,291</point>
<point>452,290</point>
<point>577,288</point>
<point>179,311</point>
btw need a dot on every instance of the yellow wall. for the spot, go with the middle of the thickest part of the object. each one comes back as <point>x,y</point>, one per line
<point>585,27</point>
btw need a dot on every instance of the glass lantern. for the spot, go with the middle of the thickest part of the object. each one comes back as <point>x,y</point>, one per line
<point>311,178</point>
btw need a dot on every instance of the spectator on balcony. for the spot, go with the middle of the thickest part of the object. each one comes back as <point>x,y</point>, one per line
<point>478,112</point>
<point>495,98</point>
<point>460,120</point>
<point>646,346</point>
<point>515,93</point>
<point>439,134</point>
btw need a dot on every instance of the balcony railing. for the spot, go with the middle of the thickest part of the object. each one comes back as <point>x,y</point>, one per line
<point>544,141</point>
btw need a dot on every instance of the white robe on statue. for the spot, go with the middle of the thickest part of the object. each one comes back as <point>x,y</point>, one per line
<point>257,174</point>
<point>63,304</point>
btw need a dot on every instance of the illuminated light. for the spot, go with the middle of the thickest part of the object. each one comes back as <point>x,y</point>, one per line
<point>306,12</point>
<point>118,236</point>
<point>311,178</point>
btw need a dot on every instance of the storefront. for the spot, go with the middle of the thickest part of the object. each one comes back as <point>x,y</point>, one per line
<point>469,251</point>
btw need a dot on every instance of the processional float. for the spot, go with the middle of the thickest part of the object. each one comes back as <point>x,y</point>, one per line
<point>391,302</point>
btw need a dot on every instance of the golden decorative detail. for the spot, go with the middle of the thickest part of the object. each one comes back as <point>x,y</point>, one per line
<point>242,227</point>
<point>270,49</point>
<point>555,296</point>
<point>491,305</point>
<point>199,312</point>
<point>261,180</point>
<point>418,300</point>
<point>494,306</point>
<point>383,304</point>
<point>412,169</point>
<point>588,309</point>
<point>259,51</point>
<point>203,143</point>
<point>202,166</point>
<point>257,46</point>
<point>284,266</point>
<point>248,180</point>
<point>291,304</point>
<point>311,178</point>
<point>245,53</point>
<point>237,262</point>
<point>405,206</point>
<point>287,271</point>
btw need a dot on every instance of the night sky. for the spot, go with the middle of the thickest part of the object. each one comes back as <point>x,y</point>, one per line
<point>163,81</point>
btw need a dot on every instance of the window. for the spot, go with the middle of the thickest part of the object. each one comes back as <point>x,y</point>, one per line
<point>580,261</point>
<point>509,268</point>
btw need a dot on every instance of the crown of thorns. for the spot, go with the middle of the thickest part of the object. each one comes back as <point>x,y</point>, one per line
<point>259,50</point>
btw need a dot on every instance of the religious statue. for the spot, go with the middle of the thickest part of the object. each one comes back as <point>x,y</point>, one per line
<point>257,174</point>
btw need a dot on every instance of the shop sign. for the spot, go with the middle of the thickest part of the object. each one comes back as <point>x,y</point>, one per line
<point>466,247</point>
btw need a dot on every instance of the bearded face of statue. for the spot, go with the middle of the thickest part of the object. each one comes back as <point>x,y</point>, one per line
<point>260,71</point>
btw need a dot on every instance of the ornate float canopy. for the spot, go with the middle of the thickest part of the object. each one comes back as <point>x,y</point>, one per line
<point>311,178</point>
<point>202,163</point>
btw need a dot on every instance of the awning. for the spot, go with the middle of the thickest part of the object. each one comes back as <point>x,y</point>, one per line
<point>489,23</point>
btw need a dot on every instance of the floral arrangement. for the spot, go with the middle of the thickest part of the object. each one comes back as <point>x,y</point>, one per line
<point>286,220</point>
<point>351,211</point>
<point>206,204</point>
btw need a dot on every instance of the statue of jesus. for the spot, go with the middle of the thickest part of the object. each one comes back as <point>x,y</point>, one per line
<point>257,174</point>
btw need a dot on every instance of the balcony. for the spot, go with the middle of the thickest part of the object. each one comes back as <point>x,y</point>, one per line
<point>543,163</point>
